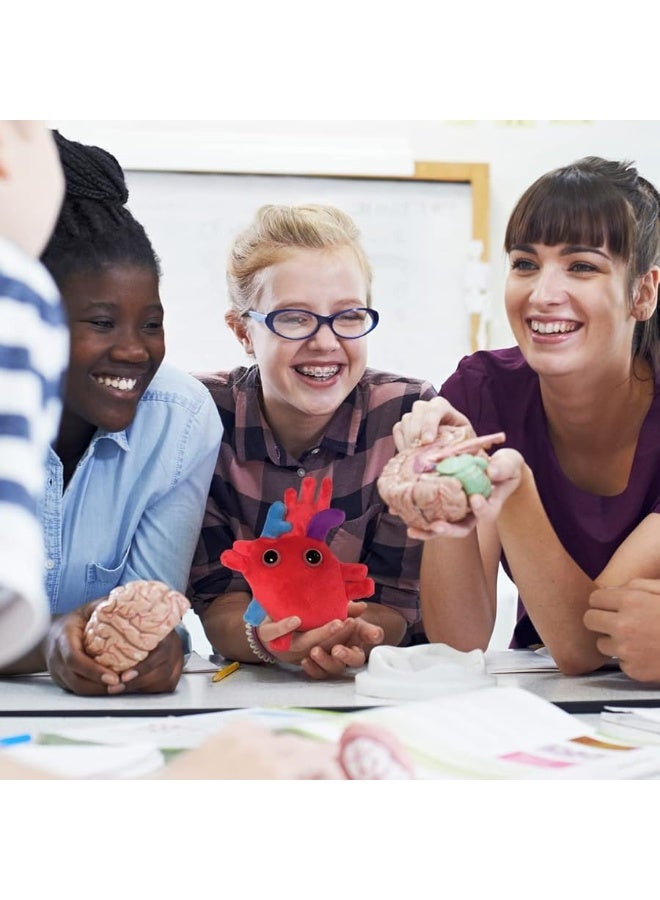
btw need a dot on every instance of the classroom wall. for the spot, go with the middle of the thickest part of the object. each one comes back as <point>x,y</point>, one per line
<point>517,152</point>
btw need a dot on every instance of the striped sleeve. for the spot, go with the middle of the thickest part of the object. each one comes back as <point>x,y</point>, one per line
<point>33,355</point>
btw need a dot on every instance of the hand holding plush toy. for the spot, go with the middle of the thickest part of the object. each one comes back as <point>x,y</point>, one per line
<point>290,568</point>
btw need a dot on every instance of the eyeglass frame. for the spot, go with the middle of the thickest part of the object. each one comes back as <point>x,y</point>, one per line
<point>267,319</point>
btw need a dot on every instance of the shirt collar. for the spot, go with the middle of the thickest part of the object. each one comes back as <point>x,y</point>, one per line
<point>119,437</point>
<point>255,438</point>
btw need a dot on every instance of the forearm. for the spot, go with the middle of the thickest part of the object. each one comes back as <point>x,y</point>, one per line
<point>389,619</point>
<point>34,661</point>
<point>458,606</point>
<point>225,628</point>
<point>553,587</point>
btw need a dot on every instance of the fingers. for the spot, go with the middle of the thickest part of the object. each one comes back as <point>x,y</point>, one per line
<point>647,585</point>
<point>159,672</point>
<point>486,509</point>
<point>440,528</point>
<point>247,751</point>
<point>269,630</point>
<point>327,651</point>
<point>505,465</point>
<point>367,634</point>
<point>599,620</point>
<point>356,608</point>
<point>349,657</point>
<point>614,598</point>
<point>323,664</point>
<point>606,645</point>
<point>347,652</point>
<point>603,599</point>
<point>67,662</point>
<point>336,632</point>
<point>420,425</point>
<point>76,678</point>
<point>303,641</point>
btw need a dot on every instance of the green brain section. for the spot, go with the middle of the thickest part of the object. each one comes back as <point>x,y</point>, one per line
<point>469,470</point>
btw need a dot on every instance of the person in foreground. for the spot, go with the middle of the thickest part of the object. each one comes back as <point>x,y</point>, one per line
<point>248,751</point>
<point>574,510</point>
<point>33,355</point>
<point>129,471</point>
<point>300,304</point>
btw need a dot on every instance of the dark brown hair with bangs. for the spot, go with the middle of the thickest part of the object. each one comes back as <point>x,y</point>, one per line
<point>591,203</point>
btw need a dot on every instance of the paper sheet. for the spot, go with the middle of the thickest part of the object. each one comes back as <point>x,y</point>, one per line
<point>494,732</point>
<point>82,761</point>
<point>500,662</point>
<point>194,663</point>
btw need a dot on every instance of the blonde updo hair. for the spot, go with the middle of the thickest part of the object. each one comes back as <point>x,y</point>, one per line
<point>276,233</point>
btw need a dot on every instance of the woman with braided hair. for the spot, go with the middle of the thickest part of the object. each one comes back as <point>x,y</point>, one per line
<point>574,514</point>
<point>130,469</point>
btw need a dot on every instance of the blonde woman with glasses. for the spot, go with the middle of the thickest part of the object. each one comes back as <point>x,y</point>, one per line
<point>300,305</point>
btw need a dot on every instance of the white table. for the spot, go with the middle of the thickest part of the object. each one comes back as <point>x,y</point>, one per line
<point>255,685</point>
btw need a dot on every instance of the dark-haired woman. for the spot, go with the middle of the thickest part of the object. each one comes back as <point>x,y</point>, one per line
<point>576,498</point>
<point>132,463</point>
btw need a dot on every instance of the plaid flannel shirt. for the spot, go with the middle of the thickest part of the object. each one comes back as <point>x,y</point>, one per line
<point>254,469</point>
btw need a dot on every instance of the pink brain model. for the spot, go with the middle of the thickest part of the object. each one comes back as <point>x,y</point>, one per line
<point>134,619</point>
<point>432,482</point>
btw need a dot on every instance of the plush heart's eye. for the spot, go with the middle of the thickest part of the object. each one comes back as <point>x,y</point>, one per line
<point>270,558</point>
<point>313,557</point>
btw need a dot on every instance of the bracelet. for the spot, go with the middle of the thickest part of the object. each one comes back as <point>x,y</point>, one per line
<point>256,646</point>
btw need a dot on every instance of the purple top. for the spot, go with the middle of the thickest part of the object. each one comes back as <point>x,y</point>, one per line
<point>498,391</point>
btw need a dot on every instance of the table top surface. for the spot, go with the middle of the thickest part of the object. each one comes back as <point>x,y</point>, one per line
<point>255,685</point>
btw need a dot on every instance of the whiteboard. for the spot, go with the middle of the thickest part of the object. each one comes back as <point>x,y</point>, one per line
<point>416,234</point>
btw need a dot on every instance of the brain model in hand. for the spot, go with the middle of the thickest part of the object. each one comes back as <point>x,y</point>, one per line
<point>291,570</point>
<point>432,482</point>
<point>131,622</point>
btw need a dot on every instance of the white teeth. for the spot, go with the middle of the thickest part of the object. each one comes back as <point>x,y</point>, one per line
<point>122,384</point>
<point>318,371</point>
<point>553,327</point>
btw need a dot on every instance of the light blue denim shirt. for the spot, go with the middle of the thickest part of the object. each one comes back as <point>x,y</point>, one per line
<point>134,506</point>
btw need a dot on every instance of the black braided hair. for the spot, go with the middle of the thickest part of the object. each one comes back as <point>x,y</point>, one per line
<point>95,229</point>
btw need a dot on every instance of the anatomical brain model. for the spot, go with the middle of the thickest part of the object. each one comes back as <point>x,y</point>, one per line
<point>125,628</point>
<point>432,482</point>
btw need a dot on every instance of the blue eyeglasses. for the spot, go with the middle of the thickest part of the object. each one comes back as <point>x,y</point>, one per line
<point>299,324</point>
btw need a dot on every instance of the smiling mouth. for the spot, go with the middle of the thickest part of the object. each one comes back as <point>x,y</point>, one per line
<point>120,384</point>
<point>319,373</point>
<point>553,327</point>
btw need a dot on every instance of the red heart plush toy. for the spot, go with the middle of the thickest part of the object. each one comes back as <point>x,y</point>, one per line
<point>290,568</point>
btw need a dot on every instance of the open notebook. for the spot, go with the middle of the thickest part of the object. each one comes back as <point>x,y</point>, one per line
<point>135,759</point>
<point>493,732</point>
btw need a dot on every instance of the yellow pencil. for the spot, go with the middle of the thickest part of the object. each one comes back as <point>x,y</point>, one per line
<point>226,670</point>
